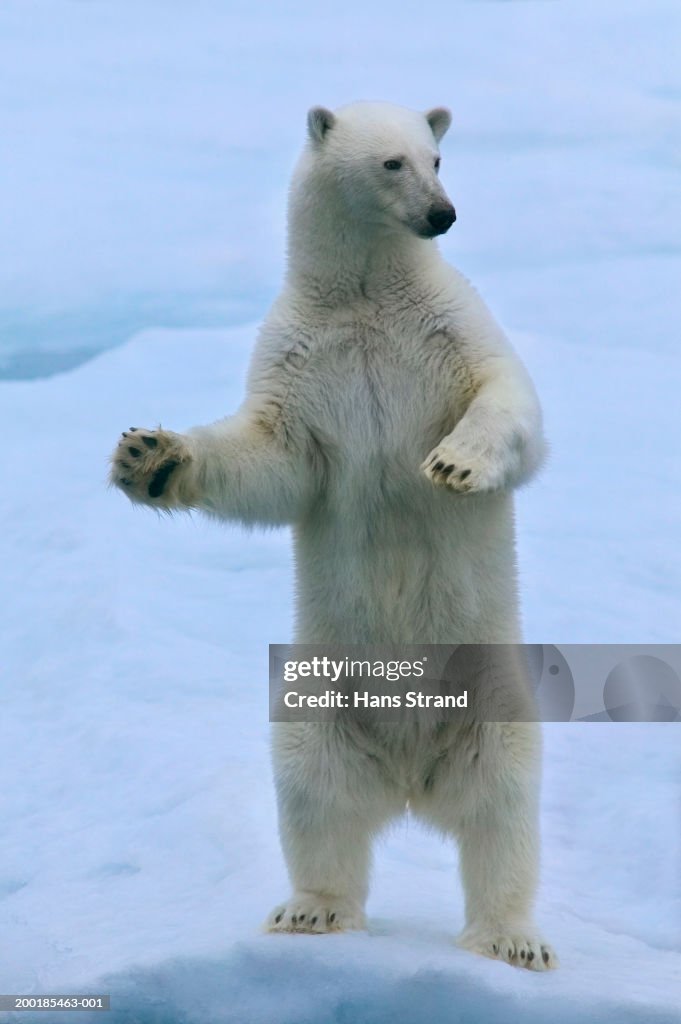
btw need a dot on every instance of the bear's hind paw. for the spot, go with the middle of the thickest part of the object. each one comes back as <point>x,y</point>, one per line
<point>520,947</point>
<point>316,914</point>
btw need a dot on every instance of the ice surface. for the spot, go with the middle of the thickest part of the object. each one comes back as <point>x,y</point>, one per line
<point>149,144</point>
<point>145,188</point>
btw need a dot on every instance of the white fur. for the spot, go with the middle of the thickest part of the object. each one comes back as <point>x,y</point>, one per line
<point>377,369</point>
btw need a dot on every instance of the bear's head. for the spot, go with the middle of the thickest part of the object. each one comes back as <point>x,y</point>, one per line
<point>380,163</point>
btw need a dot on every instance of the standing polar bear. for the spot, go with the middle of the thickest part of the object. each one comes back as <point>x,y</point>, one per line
<point>388,420</point>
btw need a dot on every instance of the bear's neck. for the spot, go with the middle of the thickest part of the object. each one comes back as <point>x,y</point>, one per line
<point>334,258</point>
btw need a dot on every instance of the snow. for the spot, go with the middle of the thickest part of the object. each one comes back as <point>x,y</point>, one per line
<point>151,145</point>
<point>139,855</point>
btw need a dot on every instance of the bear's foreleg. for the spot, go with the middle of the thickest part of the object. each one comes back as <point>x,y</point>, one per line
<point>235,469</point>
<point>498,443</point>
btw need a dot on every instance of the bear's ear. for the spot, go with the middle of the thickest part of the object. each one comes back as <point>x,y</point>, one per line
<point>439,119</point>
<point>319,121</point>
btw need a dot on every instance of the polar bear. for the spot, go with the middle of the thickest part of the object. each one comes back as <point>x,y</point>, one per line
<point>388,420</point>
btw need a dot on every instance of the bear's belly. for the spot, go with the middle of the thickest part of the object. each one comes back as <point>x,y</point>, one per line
<point>434,567</point>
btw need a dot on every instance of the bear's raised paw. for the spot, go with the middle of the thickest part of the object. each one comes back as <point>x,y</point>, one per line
<point>146,465</point>
<point>462,471</point>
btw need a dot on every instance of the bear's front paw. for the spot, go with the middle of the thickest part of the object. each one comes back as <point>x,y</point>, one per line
<point>452,466</point>
<point>310,912</point>
<point>148,466</point>
<point>518,946</point>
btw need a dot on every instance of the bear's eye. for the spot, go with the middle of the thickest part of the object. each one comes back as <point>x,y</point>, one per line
<point>437,163</point>
<point>392,165</point>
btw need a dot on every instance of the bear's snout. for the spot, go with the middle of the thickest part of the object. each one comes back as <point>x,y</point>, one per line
<point>441,219</point>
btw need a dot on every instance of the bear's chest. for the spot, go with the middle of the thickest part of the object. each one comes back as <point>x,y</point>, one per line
<point>375,391</point>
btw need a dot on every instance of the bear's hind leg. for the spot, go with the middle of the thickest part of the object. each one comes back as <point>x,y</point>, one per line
<point>332,801</point>
<point>491,808</point>
<point>328,855</point>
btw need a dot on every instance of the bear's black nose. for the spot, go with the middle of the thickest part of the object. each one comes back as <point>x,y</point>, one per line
<point>442,219</point>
